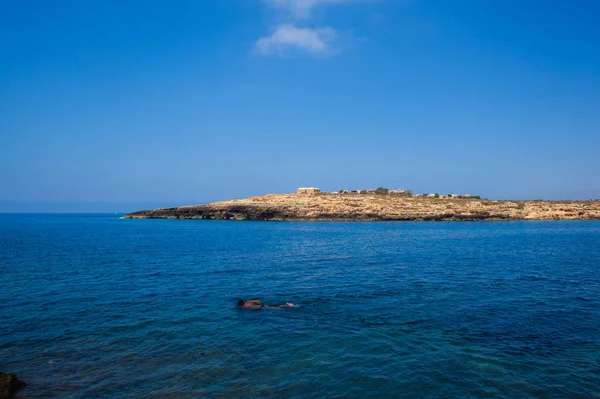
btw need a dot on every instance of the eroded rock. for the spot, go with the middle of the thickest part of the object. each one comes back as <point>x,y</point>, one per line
<point>377,207</point>
<point>9,385</point>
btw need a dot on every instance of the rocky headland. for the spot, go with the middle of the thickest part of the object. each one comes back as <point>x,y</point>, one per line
<point>373,207</point>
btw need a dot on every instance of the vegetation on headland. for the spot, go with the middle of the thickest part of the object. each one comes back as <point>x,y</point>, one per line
<point>374,206</point>
<point>403,193</point>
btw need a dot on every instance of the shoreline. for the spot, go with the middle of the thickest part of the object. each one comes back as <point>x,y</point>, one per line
<point>372,208</point>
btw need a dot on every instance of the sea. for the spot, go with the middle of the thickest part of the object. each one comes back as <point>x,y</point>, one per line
<point>97,306</point>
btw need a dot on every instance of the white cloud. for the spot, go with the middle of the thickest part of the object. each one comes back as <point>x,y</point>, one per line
<point>315,41</point>
<point>289,32</point>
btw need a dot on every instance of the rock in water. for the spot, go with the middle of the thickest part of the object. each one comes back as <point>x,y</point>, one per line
<point>9,384</point>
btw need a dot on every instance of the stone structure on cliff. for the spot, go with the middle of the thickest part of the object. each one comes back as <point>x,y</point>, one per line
<point>308,190</point>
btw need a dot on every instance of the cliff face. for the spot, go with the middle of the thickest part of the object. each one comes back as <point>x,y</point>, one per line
<point>376,207</point>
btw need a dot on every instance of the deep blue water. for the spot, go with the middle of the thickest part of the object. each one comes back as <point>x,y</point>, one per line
<point>93,306</point>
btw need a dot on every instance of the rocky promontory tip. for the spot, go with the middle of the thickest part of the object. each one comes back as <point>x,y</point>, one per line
<point>9,385</point>
<point>376,207</point>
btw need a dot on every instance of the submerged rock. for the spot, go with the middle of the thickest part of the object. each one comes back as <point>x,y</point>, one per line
<point>9,384</point>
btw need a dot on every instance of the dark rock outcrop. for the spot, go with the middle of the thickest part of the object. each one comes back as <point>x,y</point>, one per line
<point>9,384</point>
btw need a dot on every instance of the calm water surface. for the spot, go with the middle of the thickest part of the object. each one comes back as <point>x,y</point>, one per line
<point>95,306</point>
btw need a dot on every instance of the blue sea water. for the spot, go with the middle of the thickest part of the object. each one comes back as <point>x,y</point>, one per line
<point>93,306</point>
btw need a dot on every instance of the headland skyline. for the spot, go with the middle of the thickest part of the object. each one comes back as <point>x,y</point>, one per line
<point>217,100</point>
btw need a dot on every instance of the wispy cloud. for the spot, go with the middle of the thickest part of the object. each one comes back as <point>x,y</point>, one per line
<point>289,34</point>
<point>301,8</point>
<point>316,41</point>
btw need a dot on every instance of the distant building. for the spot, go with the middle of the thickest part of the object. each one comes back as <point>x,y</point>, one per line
<point>400,192</point>
<point>308,190</point>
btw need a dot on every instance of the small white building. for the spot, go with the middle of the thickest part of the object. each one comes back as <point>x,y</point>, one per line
<point>308,190</point>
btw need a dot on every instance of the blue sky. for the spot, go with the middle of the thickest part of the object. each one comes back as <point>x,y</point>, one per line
<point>117,105</point>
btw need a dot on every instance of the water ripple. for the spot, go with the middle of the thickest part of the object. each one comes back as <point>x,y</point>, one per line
<point>117,308</point>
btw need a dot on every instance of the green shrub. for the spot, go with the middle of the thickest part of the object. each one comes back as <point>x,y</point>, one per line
<point>436,195</point>
<point>382,191</point>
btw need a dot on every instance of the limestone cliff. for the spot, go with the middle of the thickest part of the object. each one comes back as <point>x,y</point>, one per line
<point>376,207</point>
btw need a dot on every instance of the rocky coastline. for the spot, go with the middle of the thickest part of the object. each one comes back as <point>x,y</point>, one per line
<point>372,207</point>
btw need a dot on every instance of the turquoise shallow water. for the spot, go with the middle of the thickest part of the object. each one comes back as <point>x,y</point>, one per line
<point>93,306</point>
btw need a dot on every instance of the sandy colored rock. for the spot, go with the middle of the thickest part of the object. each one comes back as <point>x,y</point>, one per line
<point>376,207</point>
